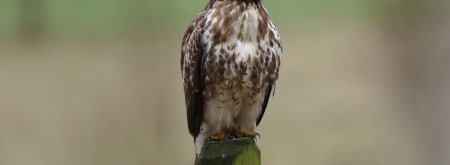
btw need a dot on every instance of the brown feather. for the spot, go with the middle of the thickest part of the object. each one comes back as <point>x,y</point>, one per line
<point>193,50</point>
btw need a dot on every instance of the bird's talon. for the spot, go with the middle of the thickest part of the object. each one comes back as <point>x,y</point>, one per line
<point>251,134</point>
<point>222,135</point>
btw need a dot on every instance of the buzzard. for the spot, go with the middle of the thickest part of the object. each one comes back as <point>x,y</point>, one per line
<point>230,59</point>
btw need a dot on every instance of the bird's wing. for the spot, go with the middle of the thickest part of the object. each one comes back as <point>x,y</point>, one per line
<point>191,68</point>
<point>264,106</point>
<point>278,51</point>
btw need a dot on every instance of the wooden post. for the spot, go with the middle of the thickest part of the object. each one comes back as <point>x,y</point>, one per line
<point>239,151</point>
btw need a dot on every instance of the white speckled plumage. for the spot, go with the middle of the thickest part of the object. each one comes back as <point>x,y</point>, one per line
<point>230,62</point>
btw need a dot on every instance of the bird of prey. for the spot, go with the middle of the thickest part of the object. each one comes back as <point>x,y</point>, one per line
<point>230,60</point>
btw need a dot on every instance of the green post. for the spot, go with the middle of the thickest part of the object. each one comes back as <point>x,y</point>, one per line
<point>240,151</point>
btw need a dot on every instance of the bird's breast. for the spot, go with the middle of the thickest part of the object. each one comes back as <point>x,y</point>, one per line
<point>238,53</point>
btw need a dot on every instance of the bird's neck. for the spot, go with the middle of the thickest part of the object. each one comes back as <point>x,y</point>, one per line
<point>238,0</point>
<point>236,20</point>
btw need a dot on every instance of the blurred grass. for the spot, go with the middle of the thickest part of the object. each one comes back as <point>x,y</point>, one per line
<point>114,17</point>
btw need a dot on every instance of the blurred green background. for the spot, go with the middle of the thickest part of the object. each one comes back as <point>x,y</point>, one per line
<point>98,82</point>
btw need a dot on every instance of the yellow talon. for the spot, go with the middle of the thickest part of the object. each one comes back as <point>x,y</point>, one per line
<point>251,134</point>
<point>221,136</point>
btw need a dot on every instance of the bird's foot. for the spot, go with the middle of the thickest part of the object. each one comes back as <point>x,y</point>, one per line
<point>222,135</point>
<point>253,134</point>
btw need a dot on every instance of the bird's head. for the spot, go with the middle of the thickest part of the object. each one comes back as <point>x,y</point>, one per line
<point>236,0</point>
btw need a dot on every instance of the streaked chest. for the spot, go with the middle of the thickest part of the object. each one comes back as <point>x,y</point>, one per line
<point>241,49</point>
